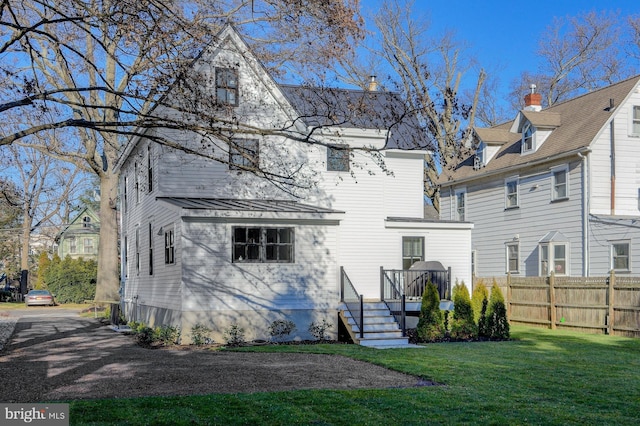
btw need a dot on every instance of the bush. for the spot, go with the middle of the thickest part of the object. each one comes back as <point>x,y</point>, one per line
<point>483,321</point>
<point>280,329</point>
<point>234,335</point>
<point>167,335</point>
<point>480,293</point>
<point>431,323</point>
<point>71,280</point>
<point>463,326</point>
<point>200,335</point>
<point>498,325</point>
<point>145,336</point>
<point>319,330</point>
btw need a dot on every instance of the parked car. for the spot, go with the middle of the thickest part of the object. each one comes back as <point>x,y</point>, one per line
<point>39,298</point>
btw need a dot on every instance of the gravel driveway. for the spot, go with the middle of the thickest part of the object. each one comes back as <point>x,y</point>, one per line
<point>52,358</point>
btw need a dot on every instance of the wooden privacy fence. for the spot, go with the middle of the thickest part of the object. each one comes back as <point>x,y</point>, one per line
<point>609,304</point>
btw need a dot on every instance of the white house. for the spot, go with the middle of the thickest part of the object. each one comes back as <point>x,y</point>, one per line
<point>555,189</point>
<point>208,242</point>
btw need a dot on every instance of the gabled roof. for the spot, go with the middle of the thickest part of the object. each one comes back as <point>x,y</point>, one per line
<point>496,136</point>
<point>579,121</point>
<point>320,106</point>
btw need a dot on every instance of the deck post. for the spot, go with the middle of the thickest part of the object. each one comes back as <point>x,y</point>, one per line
<point>361,316</point>
<point>403,321</point>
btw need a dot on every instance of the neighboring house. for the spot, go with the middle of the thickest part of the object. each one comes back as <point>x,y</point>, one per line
<point>80,238</point>
<point>205,242</point>
<point>555,189</point>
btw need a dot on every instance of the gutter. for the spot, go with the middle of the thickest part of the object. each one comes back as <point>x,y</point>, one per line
<point>586,176</point>
<point>579,151</point>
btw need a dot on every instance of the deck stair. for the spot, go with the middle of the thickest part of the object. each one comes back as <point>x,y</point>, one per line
<point>380,327</point>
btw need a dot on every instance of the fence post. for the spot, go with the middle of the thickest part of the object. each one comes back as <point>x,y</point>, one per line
<point>508,301</point>
<point>610,301</point>
<point>552,300</point>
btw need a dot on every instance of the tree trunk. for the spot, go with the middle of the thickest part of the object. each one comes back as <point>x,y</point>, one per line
<point>108,285</point>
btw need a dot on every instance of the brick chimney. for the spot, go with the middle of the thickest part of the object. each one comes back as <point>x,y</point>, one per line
<point>533,100</point>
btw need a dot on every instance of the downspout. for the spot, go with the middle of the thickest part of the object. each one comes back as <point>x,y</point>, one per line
<point>585,212</point>
<point>613,161</point>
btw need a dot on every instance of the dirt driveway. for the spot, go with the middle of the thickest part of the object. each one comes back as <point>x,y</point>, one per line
<point>60,357</point>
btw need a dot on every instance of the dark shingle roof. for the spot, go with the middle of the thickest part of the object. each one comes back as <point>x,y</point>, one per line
<point>358,109</point>
<point>279,206</point>
<point>578,122</point>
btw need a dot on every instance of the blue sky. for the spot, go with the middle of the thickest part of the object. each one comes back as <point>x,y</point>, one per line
<point>503,35</point>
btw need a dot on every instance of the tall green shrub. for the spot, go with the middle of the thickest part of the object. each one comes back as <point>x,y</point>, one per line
<point>72,280</point>
<point>480,293</point>
<point>463,325</point>
<point>498,324</point>
<point>431,321</point>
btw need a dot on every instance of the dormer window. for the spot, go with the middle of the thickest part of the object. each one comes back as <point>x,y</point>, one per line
<point>527,139</point>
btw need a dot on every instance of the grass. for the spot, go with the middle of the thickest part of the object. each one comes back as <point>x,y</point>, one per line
<point>540,377</point>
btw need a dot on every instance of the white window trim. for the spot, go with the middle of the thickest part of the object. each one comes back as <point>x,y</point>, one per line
<point>524,151</point>
<point>611,244</point>
<point>507,181</point>
<point>506,254</point>
<point>552,259</point>
<point>630,122</point>
<point>563,168</point>
<point>459,191</point>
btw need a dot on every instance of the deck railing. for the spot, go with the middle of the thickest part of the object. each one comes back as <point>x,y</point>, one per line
<point>411,283</point>
<point>398,286</point>
<point>354,301</point>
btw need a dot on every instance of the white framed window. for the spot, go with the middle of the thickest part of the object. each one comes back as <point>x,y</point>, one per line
<point>73,247</point>
<point>512,249</point>
<point>88,245</point>
<point>461,204</point>
<point>86,222</point>
<point>412,251</point>
<point>527,139</point>
<point>137,242</point>
<point>150,249</point>
<point>553,257</point>
<point>511,193</point>
<point>621,256</point>
<point>263,245</point>
<point>169,247</point>
<point>244,154</point>
<point>560,183</point>
<point>634,122</point>
<point>149,169</point>
<point>338,158</point>
<point>474,262</point>
<point>226,86</point>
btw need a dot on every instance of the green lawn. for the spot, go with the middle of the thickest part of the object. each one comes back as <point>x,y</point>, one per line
<point>541,377</point>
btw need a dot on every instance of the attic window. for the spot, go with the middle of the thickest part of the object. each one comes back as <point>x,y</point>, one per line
<point>226,86</point>
<point>86,222</point>
<point>527,139</point>
<point>479,158</point>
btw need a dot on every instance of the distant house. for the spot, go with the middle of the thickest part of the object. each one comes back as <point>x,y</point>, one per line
<point>555,189</point>
<point>204,242</point>
<point>80,237</point>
